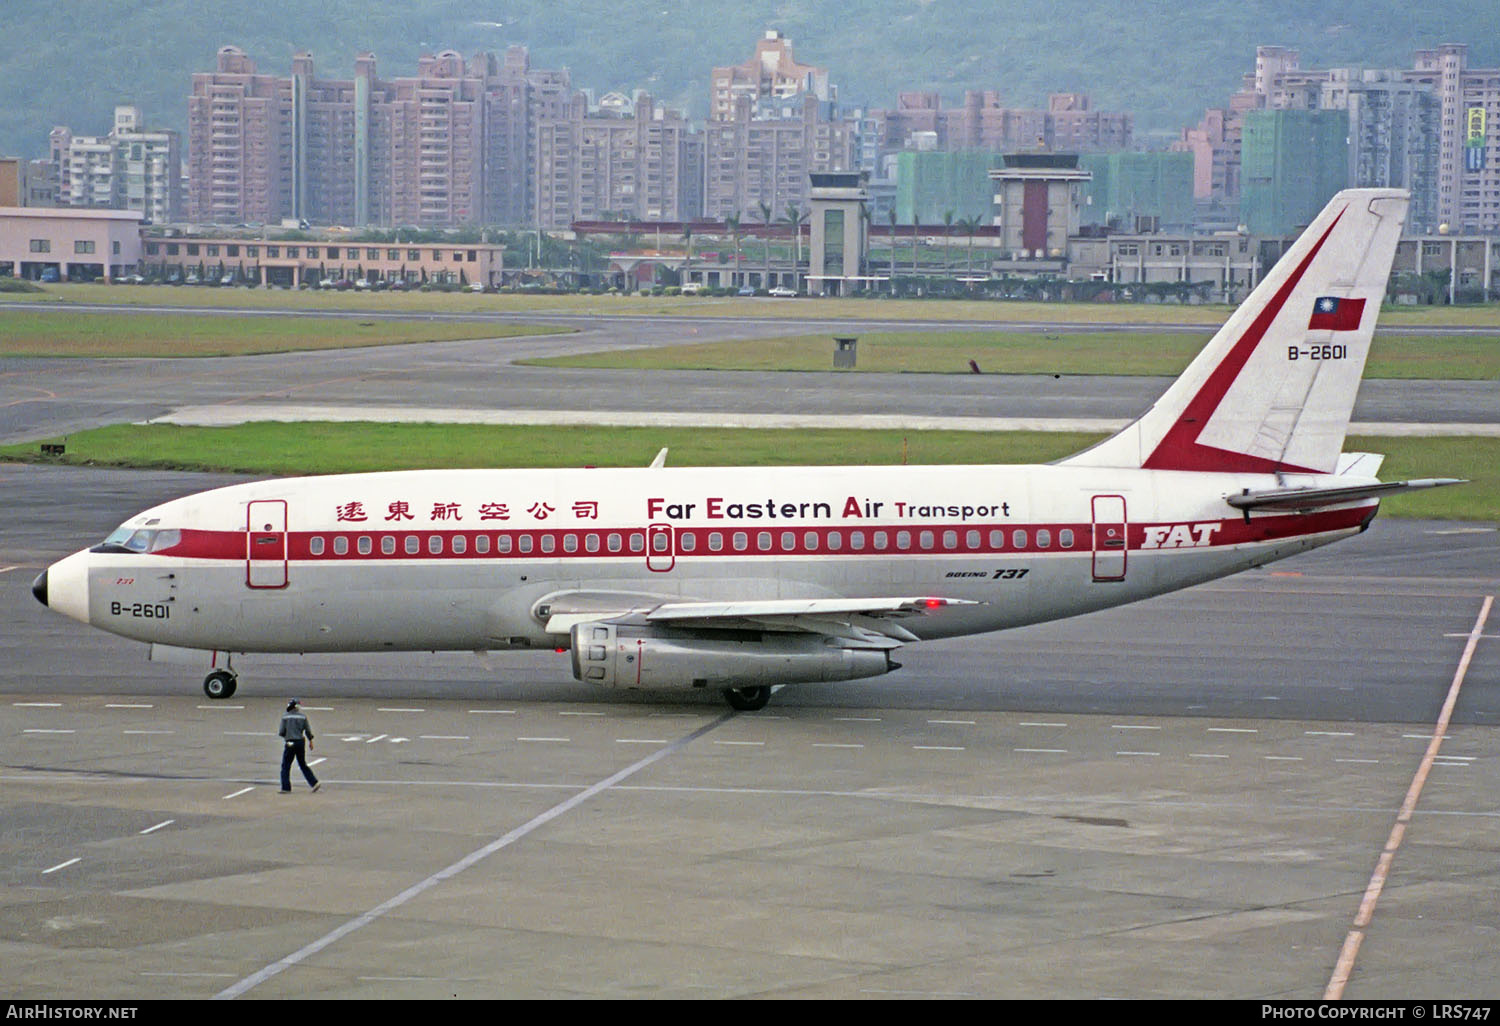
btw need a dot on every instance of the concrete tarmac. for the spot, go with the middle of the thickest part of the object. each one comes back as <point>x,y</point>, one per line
<point>1186,798</point>
<point>1183,798</point>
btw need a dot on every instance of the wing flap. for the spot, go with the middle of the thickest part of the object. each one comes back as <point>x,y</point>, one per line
<point>869,620</point>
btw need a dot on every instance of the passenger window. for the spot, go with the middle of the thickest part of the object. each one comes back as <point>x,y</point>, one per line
<point>413,545</point>
<point>857,540</point>
<point>715,541</point>
<point>549,543</point>
<point>788,541</point>
<point>880,541</point>
<point>687,541</point>
<point>366,544</point>
<point>741,541</point>
<point>614,542</point>
<point>315,545</point>
<point>835,541</point>
<point>903,540</point>
<point>659,541</point>
<point>1018,539</point>
<point>810,541</point>
<point>997,539</point>
<point>570,543</point>
<point>637,541</point>
<point>340,545</point>
<point>971,539</point>
<point>523,543</point>
<point>950,539</point>
<point>591,543</point>
<point>388,545</point>
<point>1044,539</point>
<point>763,541</point>
<point>481,544</point>
<point>502,544</point>
<point>925,539</point>
<point>435,544</point>
<point>1065,537</point>
<point>460,544</point>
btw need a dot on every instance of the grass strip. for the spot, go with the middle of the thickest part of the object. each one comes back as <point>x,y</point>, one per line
<point>328,448</point>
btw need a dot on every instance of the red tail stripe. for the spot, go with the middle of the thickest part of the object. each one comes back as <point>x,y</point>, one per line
<point>1179,448</point>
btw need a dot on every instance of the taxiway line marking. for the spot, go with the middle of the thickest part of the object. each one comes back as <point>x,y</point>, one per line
<point>473,858</point>
<point>1345,964</point>
<point>62,865</point>
<point>154,829</point>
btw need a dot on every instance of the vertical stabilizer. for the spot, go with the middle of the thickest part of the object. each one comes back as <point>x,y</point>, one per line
<point>1274,388</point>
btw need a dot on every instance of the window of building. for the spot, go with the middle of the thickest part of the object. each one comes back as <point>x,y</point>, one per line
<point>83,245</point>
<point>41,245</point>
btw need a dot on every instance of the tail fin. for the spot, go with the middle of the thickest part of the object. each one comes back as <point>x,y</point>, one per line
<point>1273,390</point>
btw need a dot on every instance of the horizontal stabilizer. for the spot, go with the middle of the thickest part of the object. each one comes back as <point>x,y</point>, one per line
<point>1301,500</point>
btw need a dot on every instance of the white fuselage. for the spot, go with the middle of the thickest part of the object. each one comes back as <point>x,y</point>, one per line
<point>467,559</point>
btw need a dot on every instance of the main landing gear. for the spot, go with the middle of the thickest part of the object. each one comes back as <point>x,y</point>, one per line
<point>220,684</point>
<point>748,699</point>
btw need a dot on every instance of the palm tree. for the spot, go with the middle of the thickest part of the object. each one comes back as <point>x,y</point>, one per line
<point>795,217</point>
<point>732,222</point>
<point>948,216</point>
<point>970,225</point>
<point>891,217</point>
<point>765,218</point>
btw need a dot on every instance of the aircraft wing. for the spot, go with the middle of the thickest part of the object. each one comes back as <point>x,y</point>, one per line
<point>870,621</point>
<point>1302,500</point>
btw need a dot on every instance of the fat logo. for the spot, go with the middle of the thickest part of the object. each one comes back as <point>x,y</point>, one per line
<point>1179,536</point>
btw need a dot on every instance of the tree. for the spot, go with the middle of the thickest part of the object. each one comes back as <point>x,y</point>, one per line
<point>948,216</point>
<point>732,222</point>
<point>765,219</point>
<point>970,225</point>
<point>891,216</point>
<point>795,217</point>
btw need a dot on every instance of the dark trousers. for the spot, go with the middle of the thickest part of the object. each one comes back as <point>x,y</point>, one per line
<point>298,750</point>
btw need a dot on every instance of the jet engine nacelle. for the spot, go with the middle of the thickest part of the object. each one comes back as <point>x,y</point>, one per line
<point>645,657</point>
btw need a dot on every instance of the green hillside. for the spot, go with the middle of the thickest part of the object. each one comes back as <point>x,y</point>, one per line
<point>70,61</point>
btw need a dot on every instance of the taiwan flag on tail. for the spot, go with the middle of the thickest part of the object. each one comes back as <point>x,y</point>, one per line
<point>1333,314</point>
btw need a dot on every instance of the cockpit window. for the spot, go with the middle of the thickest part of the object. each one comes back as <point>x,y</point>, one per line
<point>129,539</point>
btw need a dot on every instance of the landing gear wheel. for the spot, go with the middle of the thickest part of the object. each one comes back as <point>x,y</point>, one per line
<point>220,684</point>
<point>748,699</point>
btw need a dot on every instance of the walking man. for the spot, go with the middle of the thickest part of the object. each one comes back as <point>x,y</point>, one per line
<point>295,728</point>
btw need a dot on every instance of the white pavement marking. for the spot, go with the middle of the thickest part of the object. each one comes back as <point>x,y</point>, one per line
<point>236,794</point>
<point>154,829</point>
<point>1345,964</point>
<point>468,861</point>
<point>62,865</point>
<point>37,705</point>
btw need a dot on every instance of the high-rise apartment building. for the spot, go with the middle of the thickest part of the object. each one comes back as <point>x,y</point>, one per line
<point>772,123</point>
<point>982,122</point>
<point>637,161</point>
<point>1392,121</point>
<point>1468,155</point>
<point>453,144</point>
<point>768,79</point>
<point>131,168</point>
<point>240,149</point>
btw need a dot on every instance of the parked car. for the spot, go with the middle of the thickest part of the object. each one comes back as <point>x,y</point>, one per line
<point>746,290</point>
<point>782,292</point>
<point>692,288</point>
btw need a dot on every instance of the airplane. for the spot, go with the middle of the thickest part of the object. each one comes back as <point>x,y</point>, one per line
<point>745,580</point>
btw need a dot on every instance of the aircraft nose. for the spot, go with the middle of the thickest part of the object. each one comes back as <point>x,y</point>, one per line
<point>39,587</point>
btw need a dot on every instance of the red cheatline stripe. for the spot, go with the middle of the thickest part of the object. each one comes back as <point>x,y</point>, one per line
<point>955,539</point>
<point>1179,448</point>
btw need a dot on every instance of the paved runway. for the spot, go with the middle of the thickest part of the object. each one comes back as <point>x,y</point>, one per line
<point>1184,798</point>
